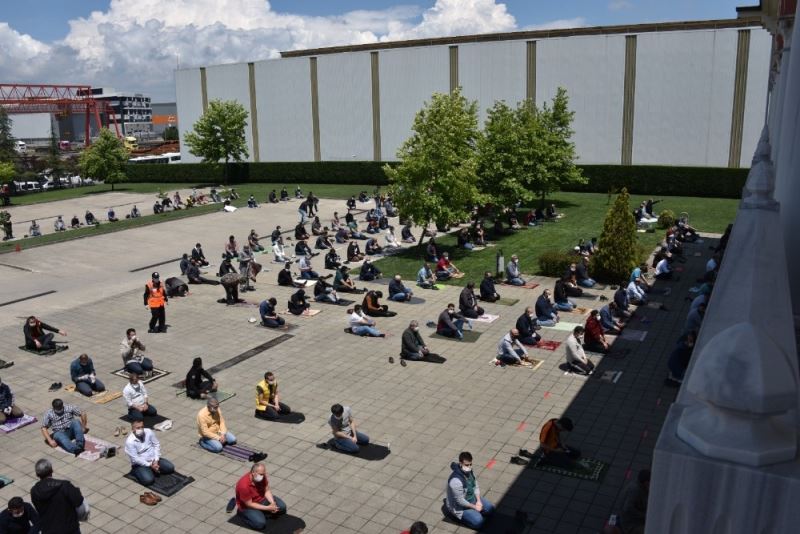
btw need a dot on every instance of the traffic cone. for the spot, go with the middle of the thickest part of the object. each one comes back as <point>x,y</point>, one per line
<point>18,248</point>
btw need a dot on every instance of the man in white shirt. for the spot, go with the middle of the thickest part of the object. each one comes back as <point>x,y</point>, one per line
<point>663,271</point>
<point>510,351</point>
<point>635,294</point>
<point>135,395</point>
<point>576,357</point>
<point>362,325</point>
<point>144,451</point>
<point>306,271</point>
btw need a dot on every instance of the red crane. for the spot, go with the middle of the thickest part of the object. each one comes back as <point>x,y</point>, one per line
<point>57,99</point>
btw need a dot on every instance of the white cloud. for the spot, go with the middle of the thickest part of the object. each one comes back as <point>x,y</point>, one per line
<point>138,49</point>
<point>618,5</point>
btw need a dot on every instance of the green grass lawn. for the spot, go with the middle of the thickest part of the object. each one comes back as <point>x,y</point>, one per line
<point>584,216</point>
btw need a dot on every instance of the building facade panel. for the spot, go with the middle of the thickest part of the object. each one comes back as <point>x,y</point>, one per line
<point>345,106</point>
<point>283,92</point>
<point>190,106</point>
<point>684,97</point>
<point>230,82</point>
<point>408,78</point>
<point>592,70</point>
<point>756,97</point>
<point>490,72</point>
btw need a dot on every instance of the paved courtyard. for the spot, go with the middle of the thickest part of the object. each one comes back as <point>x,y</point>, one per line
<point>424,413</point>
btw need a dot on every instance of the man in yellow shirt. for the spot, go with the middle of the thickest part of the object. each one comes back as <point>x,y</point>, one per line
<point>268,402</point>
<point>211,427</point>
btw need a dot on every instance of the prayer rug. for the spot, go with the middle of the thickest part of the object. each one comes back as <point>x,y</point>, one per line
<point>94,448</point>
<point>220,395</point>
<point>563,326</point>
<point>546,345</point>
<point>292,418</point>
<point>470,336</point>
<point>504,301</point>
<point>287,327</point>
<point>609,376</point>
<point>630,334</point>
<point>487,318</point>
<point>430,358</point>
<point>534,364</point>
<point>340,302</point>
<point>579,311</point>
<point>58,348</point>
<point>5,481</point>
<point>166,485</point>
<point>600,287</point>
<point>282,524</point>
<point>306,313</point>
<point>157,373</point>
<point>655,305</point>
<point>98,398</point>
<point>149,422</point>
<point>527,285</point>
<point>585,468</point>
<point>13,424</point>
<point>239,451</point>
<point>372,452</point>
<point>4,364</point>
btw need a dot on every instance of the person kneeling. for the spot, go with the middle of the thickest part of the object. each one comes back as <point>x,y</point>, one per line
<point>268,401</point>
<point>576,357</point>
<point>254,499</point>
<point>212,428</point>
<point>83,375</point>
<point>144,451</point>
<point>345,436</point>
<point>199,383</point>
<point>510,351</point>
<point>298,302</point>
<point>269,316</point>
<point>413,347</point>
<point>464,502</point>
<point>556,453</point>
<point>373,307</point>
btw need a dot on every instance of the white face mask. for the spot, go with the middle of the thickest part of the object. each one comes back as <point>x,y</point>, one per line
<point>271,382</point>
<point>466,468</point>
<point>258,478</point>
<point>139,433</point>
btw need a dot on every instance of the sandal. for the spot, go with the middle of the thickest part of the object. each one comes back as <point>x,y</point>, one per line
<point>116,431</point>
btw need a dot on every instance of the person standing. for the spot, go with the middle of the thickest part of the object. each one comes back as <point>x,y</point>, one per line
<point>59,503</point>
<point>254,500</point>
<point>464,501</point>
<point>155,297</point>
<point>8,410</point>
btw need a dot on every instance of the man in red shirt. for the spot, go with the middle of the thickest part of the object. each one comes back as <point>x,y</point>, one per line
<point>254,499</point>
<point>594,337</point>
<point>445,269</point>
<point>417,528</point>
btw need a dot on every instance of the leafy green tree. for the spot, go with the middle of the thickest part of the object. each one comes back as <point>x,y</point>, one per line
<point>558,165</point>
<point>105,159</point>
<point>619,251</point>
<point>170,133</point>
<point>7,172</point>
<point>219,134</point>
<point>7,152</point>
<point>502,166</point>
<point>436,179</point>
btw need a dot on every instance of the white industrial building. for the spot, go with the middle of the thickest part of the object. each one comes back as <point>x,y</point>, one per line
<point>689,93</point>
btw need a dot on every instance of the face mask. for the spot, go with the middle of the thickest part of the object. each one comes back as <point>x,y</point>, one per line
<point>451,312</point>
<point>17,515</point>
<point>466,468</point>
<point>415,329</point>
<point>271,382</point>
<point>139,433</point>
<point>258,478</point>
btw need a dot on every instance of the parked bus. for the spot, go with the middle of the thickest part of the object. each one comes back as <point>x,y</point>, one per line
<point>168,157</point>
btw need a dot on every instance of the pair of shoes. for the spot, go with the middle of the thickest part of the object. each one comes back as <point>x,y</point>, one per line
<point>525,453</point>
<point>55,386</point>
<point>123,430</point>
<point>148,499</point>
<point>231,505</point>
<point>257,457</point>
<point>391,359</point>
<point>403,362</point>
<point>516,460</point>
<point>152,331</point>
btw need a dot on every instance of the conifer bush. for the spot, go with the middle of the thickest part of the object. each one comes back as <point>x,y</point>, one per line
<point>619,251</point>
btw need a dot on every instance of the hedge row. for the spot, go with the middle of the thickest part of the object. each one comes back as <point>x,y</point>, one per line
<point>639,179</point>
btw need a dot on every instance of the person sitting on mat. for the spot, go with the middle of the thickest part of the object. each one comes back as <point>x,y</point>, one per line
<point>135,395</point>
<point>307,271</point>
<point>582,273</point>
<point>254,500</point>
<point>132,351</point>
<point>560,298</point>
<point>663,271</point>
<point>636,294</point>
<point>199,383</point>
<point>343,282</point>
<point>425,278</point>
<point>360,324</point>
<point>354,252</point>
<point>19,518</point>
<point>513,274</point>
<point>527,326</point>
<point>398,291</point>
<point>324,292</point>
<point>212,429</point>
<point>546,314</point>
<point>372,306</point>
<point>637,275</point>
<point>412,346</point>
<point>554,450</point>
<point>622,302</point>
<point>144,451</point>
<point>199,256</point>
<point>450,323</point>
<point>269,317</point>
<point>445,269</point>
<point>576,357</point>
<point>345,436</point>
<point>268,400</point>
<point>405,234</point>
<point>468,303</point>
<point>432,251</point>
<point>82,373</point>
<point>594,339</point>
<point>8,409</point>
<point>607,321</point>
<point>278,252</point>
<point>368,271</point>
<point>67,424</point>
<point>300,233</point>
<point>35,337</point>
<point>285,276</point>
<point>488,291</point>
<point>298,302</point>
<point>464,502</point>
<point>510,351</point>
<point>371,247</point>
<point>680,356</point>
<point>323,241</point>
<point>332,259</point>
<point>301,249</point>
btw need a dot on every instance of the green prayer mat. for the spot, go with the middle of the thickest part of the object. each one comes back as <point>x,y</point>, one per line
<point>584,469</point>
<point>565,327</point>
<point>504,301</point>
<point>470,336</point>
<point>5,481</point>
<point>220,395</point>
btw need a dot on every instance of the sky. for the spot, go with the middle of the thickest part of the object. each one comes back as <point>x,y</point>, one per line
<point>135,45</point>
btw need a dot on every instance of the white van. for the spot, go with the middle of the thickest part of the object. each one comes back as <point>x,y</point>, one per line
<point>21,147</point>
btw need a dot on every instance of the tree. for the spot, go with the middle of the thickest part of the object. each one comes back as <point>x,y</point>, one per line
<point>105,159</point>
<point>619,251</point>
<point>7,172</point>
<point>219,134</point>
<point>559,152</point>
<point>502,167</point>
<point>170,133</point>
<point>7,150</point>
<point>436,179</point>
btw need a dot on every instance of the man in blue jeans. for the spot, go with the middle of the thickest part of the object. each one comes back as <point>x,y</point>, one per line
<point>464,502</point>
<point>144,451</point>
<point>67,424</point>
<point>345,436</point>
<point>546,314</point>
<point>361,325</point>
<point>254,500</point>
<point>212,429</point>
<point>398,291</point>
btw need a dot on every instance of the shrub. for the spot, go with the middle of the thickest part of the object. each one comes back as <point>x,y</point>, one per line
<point>666,219</point>
<point>619,250</point>
<point>554,262</point>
